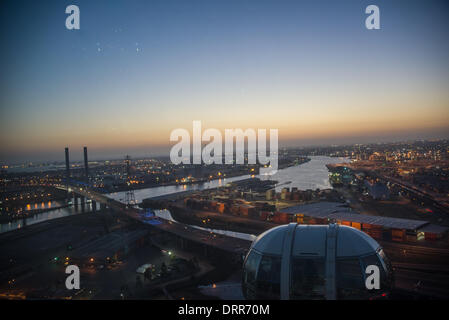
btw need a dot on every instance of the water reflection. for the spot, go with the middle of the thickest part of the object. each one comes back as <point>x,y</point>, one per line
<point>164,190</point>
<point>48,215</point>
<point>310,175</point>
<point>226,290</point>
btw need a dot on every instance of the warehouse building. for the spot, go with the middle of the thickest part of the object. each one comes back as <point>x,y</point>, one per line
<point>380,228</point>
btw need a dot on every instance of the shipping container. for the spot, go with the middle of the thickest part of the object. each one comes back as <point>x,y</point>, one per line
<point>397,235</point>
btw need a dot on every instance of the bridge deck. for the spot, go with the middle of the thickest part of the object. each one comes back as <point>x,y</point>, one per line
<point>223,242</point>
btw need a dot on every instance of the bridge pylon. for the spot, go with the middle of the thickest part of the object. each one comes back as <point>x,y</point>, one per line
<point>130,198</point>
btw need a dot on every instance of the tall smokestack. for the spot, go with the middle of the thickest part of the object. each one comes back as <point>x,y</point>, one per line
<point>67,164</point>
<point>86,166</point>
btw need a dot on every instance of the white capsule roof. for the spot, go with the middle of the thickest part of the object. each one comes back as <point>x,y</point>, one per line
<point>311,240</point>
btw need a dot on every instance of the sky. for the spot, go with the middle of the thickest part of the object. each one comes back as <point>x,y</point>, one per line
<point>136,70</point>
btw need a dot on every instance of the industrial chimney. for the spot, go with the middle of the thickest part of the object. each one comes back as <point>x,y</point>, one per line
<point>67,164</point>
<point>86,166</point>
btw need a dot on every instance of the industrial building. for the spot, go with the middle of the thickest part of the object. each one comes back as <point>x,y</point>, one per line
<point>378,227</point>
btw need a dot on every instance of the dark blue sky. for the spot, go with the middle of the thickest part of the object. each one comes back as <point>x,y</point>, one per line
<point>138,69</point>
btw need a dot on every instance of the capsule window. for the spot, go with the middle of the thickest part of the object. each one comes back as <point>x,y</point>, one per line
<point>268,277</point>
<point>350,279</point>
<point>307,278</point>
<point>251,265</point>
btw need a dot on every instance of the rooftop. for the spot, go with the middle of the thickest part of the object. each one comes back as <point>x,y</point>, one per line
<point>338,211</point>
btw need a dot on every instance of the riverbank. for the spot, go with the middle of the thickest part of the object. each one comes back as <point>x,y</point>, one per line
<point>227,175</point>
<point>179,184</point>
<point>30,213</point>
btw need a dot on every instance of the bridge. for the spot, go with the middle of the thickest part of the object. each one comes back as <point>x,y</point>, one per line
<point>82,190</point>
<point>184,233</point>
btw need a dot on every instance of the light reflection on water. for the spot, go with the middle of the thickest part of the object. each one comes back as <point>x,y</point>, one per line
<point>44,216</point>
<point>226,290</point>
<point>164,190</point>
<point>310,175</point>
<point>42,205</point>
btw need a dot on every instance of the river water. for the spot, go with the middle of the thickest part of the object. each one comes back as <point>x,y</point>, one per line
<point>44,216</point>
<point>310,175</point>
<point>164,190</point>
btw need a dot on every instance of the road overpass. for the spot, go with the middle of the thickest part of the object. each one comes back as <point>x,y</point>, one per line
<point>184,233</point>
